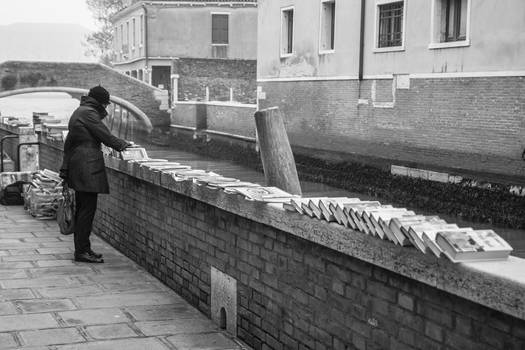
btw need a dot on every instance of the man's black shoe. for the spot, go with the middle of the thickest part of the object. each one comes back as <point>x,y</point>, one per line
<point>96,255</point>
<point>86,257</point>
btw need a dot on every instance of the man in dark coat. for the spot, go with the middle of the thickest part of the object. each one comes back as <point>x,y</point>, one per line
<point>83,165</point>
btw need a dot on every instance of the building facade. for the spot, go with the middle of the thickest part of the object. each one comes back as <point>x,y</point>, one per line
<point>150,35</point>
<point>437,83</point>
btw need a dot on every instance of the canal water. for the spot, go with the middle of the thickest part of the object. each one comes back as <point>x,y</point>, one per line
<point>62,105</point>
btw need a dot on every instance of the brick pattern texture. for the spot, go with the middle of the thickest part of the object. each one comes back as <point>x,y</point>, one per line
<point>87,75</point>
<point>228,118</point>
<point>292,293</point>
<point>219,76</point>
<point>467,123</point>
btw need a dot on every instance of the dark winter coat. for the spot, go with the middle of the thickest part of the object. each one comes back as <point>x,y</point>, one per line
<point>83,164</point>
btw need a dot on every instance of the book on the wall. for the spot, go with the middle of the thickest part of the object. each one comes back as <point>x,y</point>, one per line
<point>307,210</point>
<point>133,153</point>
<point>171,167</point>
<point>379,217</point>
<point>399,226</point>
<point>429,239</point>
<point>148,160</point>
<point>477,245</point>
<point>356,213</point>
<point>415,232</point>
<point>347,217</point>
<point>336,207</point>
<point>326,205</point>
<point>186,174</point>
<point>384,219</point>
<point>371,217</point>
<point>264,194</point>
<point>295,204</point>
<point>230,186</point>
<point>313,204</point>
<point>214,180</point>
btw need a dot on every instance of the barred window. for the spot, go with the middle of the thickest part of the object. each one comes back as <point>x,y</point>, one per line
<point>390,25</point>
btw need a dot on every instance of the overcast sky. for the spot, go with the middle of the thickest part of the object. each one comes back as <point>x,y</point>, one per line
<point>47,11</point>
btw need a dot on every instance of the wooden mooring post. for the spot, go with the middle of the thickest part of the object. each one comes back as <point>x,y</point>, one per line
<point>276,153</point>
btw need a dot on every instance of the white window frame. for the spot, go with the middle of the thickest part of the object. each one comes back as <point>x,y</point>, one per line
<point>284,55</point>
<point>321,51</point>
<point>376,47</point>
<point>141,31</point>
<point>229,31</point>
<point>434,43</point>
<point>134,33</point>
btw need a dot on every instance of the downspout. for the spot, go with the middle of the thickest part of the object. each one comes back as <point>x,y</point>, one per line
<point>362,41</point>
<point>146,53</point>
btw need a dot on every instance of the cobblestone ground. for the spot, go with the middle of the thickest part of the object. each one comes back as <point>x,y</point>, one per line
<point>48,301</point>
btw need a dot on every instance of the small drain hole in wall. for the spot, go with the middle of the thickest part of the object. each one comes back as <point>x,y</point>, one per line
<point>222,322</point>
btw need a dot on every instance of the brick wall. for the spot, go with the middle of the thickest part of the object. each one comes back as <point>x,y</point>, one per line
<point>292,293</point>
<point>219,76</point>
<point>229,118</point>
<point>475,124</point>
<point>87,75</point>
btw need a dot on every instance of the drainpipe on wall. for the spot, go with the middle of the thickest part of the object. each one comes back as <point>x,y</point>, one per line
<point>362,40</point>
<point>146,53</point>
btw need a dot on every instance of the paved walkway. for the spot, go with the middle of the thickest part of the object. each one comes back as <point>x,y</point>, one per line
<point>47,301</point>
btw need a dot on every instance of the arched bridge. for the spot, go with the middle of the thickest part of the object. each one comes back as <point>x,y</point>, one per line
<point>123,116</point>
<point>152,101</point>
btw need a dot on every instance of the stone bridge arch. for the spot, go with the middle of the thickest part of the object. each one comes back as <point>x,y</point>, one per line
<point>153,102</point>
<point>140,116</point>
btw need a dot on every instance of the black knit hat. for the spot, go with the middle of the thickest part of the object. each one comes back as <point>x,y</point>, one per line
<point>100,94</point>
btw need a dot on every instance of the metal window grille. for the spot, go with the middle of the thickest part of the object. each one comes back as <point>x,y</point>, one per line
<point>390,24</point>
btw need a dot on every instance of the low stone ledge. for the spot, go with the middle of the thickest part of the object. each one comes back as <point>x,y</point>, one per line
<point>497,285</point>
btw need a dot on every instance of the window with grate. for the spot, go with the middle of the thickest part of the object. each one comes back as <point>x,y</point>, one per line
<point>390,25</point>
<point>219,29</point>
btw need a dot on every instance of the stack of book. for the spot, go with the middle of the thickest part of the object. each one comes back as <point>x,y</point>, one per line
<point>429,234</point>
<point>41,197</point>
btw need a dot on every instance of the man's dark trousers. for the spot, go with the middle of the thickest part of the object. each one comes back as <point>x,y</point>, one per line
<point>86,206</point>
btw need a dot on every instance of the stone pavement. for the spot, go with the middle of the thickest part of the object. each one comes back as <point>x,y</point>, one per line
<point>48,301</point>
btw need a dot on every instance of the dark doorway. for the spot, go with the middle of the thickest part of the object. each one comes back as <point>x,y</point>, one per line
<point>160,75</point>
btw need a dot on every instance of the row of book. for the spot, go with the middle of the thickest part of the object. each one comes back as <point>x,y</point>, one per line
<point>212,180</point>
<point>429,234</point>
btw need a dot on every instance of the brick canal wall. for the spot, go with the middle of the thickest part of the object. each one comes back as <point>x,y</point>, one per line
<point>462,124</point>
<point>302,283</point>
<point>229,118</point>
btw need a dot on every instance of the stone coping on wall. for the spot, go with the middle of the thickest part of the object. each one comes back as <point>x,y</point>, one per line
<point>497,285</point>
